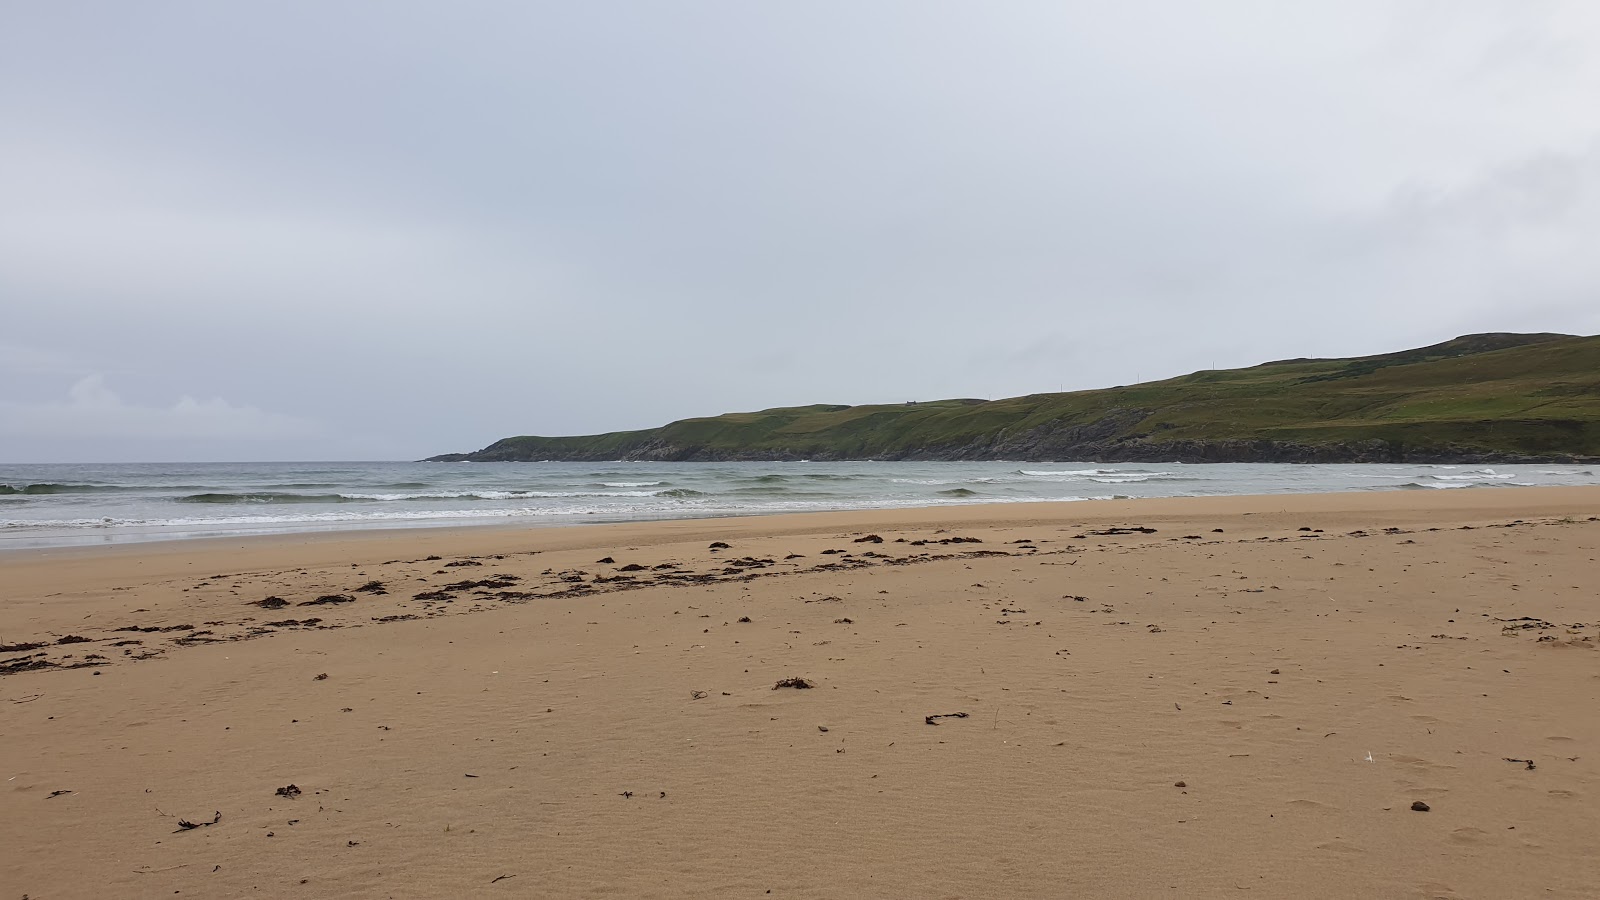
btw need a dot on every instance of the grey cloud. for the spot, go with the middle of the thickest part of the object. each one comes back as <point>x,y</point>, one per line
<point>422,228</point>
<point>98,422</point>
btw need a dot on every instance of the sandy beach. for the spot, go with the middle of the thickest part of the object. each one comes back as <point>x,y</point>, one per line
<point>1319,696</point>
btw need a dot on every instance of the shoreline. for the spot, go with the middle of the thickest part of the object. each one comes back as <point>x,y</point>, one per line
<point>31,567</point>
<point>882,513</point>
<point>1197,695</point>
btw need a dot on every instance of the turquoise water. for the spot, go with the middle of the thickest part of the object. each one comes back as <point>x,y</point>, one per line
<point>62,505</point>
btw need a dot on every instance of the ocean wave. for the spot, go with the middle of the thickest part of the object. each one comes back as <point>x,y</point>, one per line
<point>1103,476</point>
<point>134,527</point>
<point>778,490</point>
<point>282,497</point>
<point>1480,475</point>
<point>259,497</point>
<point>11,490</point>
<point>665,509</point>
<point>494,495</point>
<point>107,522</point>
<point>151,502</point>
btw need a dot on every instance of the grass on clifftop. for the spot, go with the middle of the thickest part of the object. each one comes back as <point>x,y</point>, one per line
<point>1536,395</point>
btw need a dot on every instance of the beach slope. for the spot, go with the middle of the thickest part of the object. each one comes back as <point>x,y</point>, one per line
<point>1316,696</point>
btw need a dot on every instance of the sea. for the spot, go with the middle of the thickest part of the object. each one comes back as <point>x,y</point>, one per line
<point>74,505</point>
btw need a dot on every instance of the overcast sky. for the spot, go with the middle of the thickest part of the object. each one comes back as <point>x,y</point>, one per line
<point>342,230</point>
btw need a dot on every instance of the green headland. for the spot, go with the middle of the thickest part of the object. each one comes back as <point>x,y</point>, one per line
<point>1478,398</point>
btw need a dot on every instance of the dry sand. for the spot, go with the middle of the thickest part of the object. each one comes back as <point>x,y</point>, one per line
<point>1232,704</point>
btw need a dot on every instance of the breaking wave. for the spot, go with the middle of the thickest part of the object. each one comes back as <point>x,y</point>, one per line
<point>260,497</point>
<point>280,497</point>
<point>33,490</point>
<point>1102,476</point>
<point>1480,475</point>
<point>40,504</point>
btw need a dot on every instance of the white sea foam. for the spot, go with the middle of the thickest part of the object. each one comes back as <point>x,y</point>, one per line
<point>153,502</point>
<point>1099,476</point>
<point>494,495</point>
<point>1480,475</point>
<point>950,481</point>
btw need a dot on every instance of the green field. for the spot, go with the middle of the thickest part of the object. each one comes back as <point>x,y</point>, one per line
<point>1491,397</point>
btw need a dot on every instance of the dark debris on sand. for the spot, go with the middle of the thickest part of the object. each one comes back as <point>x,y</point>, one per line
<point>27,663</point>
<point>186,825</point>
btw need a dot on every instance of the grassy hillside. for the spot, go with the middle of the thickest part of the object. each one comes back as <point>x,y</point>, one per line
<point>1493,397</point>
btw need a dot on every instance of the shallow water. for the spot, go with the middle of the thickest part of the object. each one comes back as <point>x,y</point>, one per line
<point>62,505</point>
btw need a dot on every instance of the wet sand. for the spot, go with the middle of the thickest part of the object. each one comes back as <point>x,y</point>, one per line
<point>1179,698</point>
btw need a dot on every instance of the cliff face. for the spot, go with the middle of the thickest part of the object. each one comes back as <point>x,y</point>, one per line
<point>1493,398</point>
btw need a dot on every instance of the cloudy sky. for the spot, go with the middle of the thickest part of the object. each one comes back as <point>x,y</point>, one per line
<point>346,230</point>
